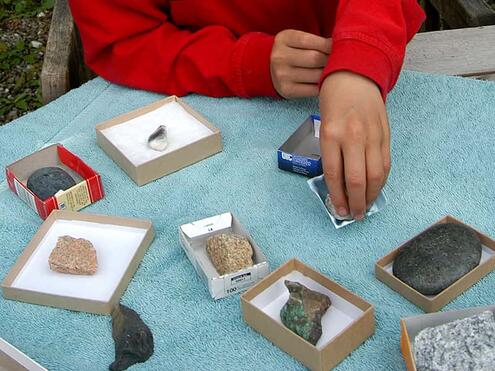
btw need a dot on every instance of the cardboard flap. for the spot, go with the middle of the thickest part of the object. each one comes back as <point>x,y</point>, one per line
<point>207,226</point>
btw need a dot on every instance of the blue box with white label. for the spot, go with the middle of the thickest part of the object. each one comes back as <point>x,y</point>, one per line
<point>301,152</point>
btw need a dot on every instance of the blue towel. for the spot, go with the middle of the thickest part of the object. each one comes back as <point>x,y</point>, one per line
<point>443,153</point>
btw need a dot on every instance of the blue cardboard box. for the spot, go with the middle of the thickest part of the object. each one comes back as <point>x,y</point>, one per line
<point>301,152</point>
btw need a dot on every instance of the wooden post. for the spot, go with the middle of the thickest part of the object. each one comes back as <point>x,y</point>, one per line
<point>63,66</point>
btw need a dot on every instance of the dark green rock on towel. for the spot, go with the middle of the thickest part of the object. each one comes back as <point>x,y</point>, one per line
<point>303,311</point>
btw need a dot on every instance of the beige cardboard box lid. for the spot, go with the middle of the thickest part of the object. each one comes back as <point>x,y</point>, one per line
<point>411,326</point>
<point>433,303</point>
<point>12,359</point>
<point>120,244</point>
<point>319,357</point>
<point>168,162</point>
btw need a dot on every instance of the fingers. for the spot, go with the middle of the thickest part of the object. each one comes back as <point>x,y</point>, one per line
<point>304,40</point>
<point>306,75</point>
<point>374,172</point>
<point>293,82</point>
<point>298,90</point>
<point>355,176</point>
<point>306,58</point>
<point>387,162</point>
<point>333,170</point>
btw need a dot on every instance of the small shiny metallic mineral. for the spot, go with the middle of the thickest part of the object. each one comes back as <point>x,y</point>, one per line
<point>158,139</point>
<point>229,252</point>
<point>466,344</point>
<point>73,256</point>
<point>133,339</point>
<point>331,209</point>
<point>303,311</point>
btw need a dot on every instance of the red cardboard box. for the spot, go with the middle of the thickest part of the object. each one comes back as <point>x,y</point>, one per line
<point>88,188</point>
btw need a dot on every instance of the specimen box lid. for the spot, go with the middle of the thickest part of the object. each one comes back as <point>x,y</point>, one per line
<point>191,138</point>
<point>120,245</point>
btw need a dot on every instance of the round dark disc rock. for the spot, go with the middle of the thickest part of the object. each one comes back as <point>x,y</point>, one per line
<point>47,181</point>
<point>438,257</point>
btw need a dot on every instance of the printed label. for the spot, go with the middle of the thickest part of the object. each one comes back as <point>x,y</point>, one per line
<point>74,198</point>
<point>286,156</point>
<point>208,225</point>
<point>25,195</point>
<point>317,124</point>
<point>301,161</point>
<point>300,170</point>
<point>240,281</point>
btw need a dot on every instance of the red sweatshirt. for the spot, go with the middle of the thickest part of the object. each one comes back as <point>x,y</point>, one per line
<point>222,47</point>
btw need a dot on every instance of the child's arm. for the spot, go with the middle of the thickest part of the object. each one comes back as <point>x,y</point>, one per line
<point>368,47</point>
<point>131,43</point>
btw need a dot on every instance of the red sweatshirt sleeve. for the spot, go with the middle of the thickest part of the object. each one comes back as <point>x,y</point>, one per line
<point>370,37</point>
<point>133,43</point>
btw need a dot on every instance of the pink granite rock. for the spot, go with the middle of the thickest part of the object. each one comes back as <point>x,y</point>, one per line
<point>73,256</point>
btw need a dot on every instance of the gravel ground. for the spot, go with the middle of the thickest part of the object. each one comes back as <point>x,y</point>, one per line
<point>22,46</point>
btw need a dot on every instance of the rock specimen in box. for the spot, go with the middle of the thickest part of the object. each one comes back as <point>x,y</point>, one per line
<point>229,252</point>
<point>467,344</point>
<point>47,181</point>
<point>303,311</point>
<point>331,209</point>
<point>438,257</point>
<point>73,256</point>
<point>158,139</point>
<point>133,339</point>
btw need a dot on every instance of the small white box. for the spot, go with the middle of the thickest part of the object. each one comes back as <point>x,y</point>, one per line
<point>193,238</point>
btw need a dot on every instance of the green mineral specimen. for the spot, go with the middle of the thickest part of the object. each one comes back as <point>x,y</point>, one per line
<point>303,311</point>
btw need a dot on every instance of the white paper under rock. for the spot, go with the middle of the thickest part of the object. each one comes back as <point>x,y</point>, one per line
<point>336,319</point>
<point>115,247</point>
<point>131,137</point>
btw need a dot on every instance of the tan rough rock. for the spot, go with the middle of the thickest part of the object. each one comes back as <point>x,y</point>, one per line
<point>73,256</point>
<point>229,252</point>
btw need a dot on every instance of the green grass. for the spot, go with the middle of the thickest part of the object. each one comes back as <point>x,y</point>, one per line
<point>22,55</point>
<point>23,8</point>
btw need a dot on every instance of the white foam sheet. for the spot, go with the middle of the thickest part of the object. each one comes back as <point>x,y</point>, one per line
<point>337,318</point>
<point>115,247</point>
<point>486,253</point>
<point>131,137</point>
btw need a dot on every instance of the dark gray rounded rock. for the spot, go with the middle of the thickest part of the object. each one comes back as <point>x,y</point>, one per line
<point>438,257</point>
<point>47,181</point>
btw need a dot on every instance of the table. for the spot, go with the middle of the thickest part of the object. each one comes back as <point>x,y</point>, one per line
<point>442,155</point>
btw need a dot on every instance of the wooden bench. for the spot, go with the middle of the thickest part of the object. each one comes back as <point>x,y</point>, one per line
<point>461,13</point>
<point>467,52</point>
<point>464,52</point>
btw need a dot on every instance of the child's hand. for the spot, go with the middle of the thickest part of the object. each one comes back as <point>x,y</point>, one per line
<point>354,140</point>
<point>296,63</point>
